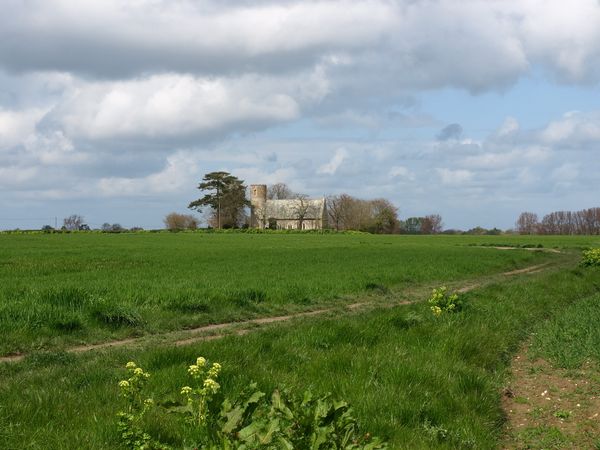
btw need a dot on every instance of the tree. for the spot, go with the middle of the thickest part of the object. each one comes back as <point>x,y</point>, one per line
<point>279,191</point>
<point>527,223</point>
<point>412,225</point>
<point>226,196</point>
<point>73,222</point>
<point>432,224</point>
<point>340,210</point>
<point>177,222</point>
<point>302,208</point>
<point>385,216</point>
<point>114,228</point>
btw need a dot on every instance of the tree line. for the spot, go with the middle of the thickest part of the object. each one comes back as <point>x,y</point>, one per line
<point>225,205</point>
<point>585,221</point>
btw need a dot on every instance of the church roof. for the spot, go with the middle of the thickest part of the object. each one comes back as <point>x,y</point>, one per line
<point>289,209</point>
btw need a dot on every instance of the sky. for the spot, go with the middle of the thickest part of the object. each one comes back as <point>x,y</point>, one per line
<point>476,110</point>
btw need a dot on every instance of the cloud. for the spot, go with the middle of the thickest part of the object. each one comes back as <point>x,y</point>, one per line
<point>503,157</point>
<point>479,45</point>
<point>401,172</point>
<point>452,131</point>
<point>454,177</point>
<point>334,164</point>
<point>509,128</point>
<point>103,99</point>
<point>574,128</point>
<point>174,105</point>
<point>16,126</point>
<point>566,172</point>
<point>180,171</point>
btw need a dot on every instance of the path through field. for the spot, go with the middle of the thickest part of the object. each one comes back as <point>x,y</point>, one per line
<point>216,331</point>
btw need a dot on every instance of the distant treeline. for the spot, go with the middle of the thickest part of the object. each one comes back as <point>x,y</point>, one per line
<point>586,221</point>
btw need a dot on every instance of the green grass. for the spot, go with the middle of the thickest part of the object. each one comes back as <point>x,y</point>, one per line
<point>571,338</point>
<point>417,380</point>
<point>62,289</point>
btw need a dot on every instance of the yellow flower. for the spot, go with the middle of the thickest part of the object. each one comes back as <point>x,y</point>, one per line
<point>200,361</point>
<point>211,385</point>
<point>194,371</point>
<point>123,384</point>
<point>186,390</point>
<point>130,365</point>
<point>436,310</point>
<point>148,402</point>
<point>138,371</point>
<point>214,370</point>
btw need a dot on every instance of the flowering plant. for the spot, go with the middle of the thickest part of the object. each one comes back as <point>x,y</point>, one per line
<point>130,421</point>
<point>441,301</point>
<point>250,420</point>
<point>591,257</point>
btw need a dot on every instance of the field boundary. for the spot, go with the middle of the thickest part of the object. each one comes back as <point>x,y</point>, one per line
<point>220,330</point>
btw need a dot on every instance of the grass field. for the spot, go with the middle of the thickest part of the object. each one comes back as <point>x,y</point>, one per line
<point>63,289</point>
<point>417,380</point>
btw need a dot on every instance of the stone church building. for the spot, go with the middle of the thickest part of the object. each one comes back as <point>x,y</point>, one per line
<point>290,214</point>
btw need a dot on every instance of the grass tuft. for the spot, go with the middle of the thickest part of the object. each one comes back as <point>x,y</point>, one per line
<point>117,314</point>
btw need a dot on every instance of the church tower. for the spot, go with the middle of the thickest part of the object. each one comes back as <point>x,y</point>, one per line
<point>258,205</point>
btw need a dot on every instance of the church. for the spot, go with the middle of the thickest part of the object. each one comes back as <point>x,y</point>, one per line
<point>290,214</point>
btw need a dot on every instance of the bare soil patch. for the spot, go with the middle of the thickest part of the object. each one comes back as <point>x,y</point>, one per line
<point>551,408</point>
<point>530,249</point>
<point>531,269</point>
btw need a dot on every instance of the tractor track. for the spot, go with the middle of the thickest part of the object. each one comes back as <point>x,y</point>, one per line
<point>221,330</point>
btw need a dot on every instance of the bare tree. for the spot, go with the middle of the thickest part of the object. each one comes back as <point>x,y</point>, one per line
<point>351,213</point>
<point>527,223</point>
<point>432,224</point>
<point>176,222</point>
<point>279,191</point>
<point>73,222</point>
<point>302,209</point>
<point>340,209</point>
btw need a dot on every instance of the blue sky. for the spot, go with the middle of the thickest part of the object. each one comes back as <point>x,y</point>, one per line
<point>474,110</point>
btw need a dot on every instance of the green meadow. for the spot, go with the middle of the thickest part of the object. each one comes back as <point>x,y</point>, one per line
<point>416,380</point>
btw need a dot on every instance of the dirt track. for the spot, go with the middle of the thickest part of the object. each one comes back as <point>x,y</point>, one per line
<point>216,331</point>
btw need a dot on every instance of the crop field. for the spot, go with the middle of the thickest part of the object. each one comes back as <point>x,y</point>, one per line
<point>414,379</point>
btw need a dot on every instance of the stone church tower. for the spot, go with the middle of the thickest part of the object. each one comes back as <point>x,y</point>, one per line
<point>286,214</point>
<point>258,205</point>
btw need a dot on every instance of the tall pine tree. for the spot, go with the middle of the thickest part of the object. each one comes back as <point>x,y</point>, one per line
<point>225,195</point>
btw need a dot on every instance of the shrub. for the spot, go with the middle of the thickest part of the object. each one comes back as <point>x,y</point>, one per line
<point>591,257</point>
<point>249,420</point>
<point>443,302</point>
<point>177,222</point>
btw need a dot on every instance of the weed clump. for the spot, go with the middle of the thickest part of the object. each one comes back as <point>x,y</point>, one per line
<point>375,287</point>
<point>117,314</point>
<point>247,420</point>
<point>443,302</point>
<point>591,257</point>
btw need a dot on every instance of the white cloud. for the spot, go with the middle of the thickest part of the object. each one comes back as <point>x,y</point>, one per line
<point>509,127</point>
<point>566,172</point>
<point>477,45</point>
<point>334,164</point>
<point>180,171</point>
<point>506,157</point>
<point>175,105</point>
<point>402,173</point>
<point>454,177</point>
<point>16,126</point>
<point>573,128</point>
